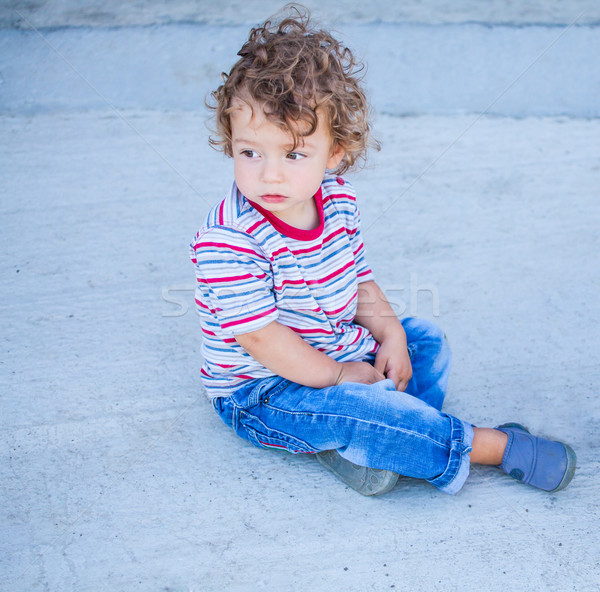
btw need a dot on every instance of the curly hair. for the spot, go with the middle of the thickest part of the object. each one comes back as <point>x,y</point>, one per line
<point>294,71</point>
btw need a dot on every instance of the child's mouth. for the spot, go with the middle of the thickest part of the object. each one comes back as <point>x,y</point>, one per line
<point>273,198</point>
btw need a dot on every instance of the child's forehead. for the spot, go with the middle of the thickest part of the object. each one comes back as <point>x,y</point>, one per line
<point>249,114</point>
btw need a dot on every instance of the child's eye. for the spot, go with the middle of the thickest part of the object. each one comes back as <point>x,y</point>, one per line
<point>249,153</point>
<point>295,156</point>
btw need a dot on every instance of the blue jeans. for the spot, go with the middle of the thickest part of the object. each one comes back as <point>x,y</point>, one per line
<point>370,425</point>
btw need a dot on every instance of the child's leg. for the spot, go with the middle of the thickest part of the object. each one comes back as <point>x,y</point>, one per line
<point>374,426</point>
<point>489,446</point>
<point>430,357</point>
<point>370,425</point>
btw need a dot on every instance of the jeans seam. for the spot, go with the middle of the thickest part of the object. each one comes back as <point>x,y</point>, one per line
<point>259,391</point>
<point>456,456</point>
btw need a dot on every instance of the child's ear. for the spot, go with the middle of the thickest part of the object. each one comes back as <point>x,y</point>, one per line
<point>337,155</point>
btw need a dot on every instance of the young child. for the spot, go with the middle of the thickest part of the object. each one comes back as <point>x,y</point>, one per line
<point>302,351</point>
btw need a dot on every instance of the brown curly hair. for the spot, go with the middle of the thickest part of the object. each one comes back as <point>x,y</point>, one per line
<point>294,71</point>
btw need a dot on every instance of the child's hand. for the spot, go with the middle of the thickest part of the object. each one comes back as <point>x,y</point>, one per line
<point>393,361</point>
<point>376,314</point>
<point>361,372</point>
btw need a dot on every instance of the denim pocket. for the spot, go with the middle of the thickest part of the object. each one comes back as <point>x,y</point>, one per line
<point>253,417</point>
<point>264,436</point>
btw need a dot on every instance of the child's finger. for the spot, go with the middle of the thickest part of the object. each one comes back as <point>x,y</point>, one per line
<point>380,364</point>
<point>401,386</point>
<point>393,375</point>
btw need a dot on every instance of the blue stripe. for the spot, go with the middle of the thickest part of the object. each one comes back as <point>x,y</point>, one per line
<point>247,312</point>
<point>343,247</point>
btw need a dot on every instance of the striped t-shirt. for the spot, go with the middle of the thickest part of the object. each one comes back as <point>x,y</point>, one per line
<point>252,269</point>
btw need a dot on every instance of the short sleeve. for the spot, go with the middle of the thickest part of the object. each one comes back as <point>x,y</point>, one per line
<point>234,281</point>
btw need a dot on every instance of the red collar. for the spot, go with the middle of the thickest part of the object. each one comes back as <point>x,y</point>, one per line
<point>292,231</point>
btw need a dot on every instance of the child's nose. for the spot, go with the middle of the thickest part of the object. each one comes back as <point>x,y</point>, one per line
<point>272,171</point>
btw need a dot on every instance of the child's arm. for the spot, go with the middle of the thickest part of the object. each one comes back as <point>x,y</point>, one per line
<point>286,354</point>
<point>375,313</point>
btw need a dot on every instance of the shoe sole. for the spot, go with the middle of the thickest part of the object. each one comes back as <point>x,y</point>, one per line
<point>364,480</point>
<point>570,470</point>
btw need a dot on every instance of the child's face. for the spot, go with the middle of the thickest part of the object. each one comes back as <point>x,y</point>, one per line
<point>269,173</point>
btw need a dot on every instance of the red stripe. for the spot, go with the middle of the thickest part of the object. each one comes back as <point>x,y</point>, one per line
<point>358,336</point>
<point>350,197</point>
<point>235,278</point>
<point>207,332</point>
<point>331,275</point>
<point>358,250</point>
<point>311,331</point>
<point>289,283</point>
<point>221,207</point>
<point>248,319</point>
<point>203,306</point>
<point>278,252</point>
<point>255,226</point>
<point>269,445</point>
<point>337,311</point>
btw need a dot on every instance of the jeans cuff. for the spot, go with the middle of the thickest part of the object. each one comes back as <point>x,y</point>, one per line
<point>459,462</point>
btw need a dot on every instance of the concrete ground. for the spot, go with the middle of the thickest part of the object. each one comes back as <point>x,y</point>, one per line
<point>117,475</point>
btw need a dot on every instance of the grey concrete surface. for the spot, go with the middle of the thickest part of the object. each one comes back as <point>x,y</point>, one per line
<point>115,472</point>
<point>108,13</point>
<point>83,60</point>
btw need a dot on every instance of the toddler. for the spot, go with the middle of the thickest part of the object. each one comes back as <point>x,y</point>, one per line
<point>302,352</point>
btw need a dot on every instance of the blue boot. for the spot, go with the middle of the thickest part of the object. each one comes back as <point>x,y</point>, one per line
<point>536,461</point>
